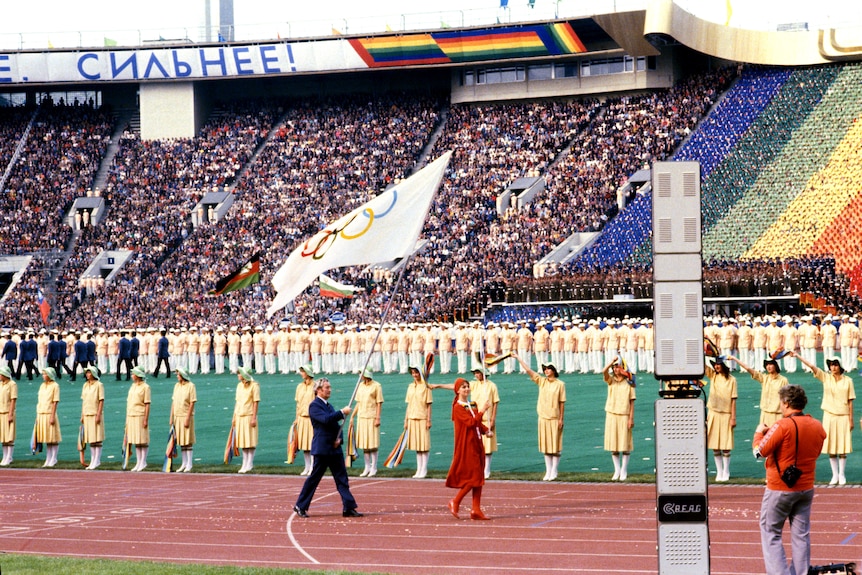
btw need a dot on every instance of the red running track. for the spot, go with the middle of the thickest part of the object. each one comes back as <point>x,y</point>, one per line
<point>536,527</point>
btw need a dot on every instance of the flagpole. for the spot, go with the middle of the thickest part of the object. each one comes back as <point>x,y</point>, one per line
<point>380,327</point>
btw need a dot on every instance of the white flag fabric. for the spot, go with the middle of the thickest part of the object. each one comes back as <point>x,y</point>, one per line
<point>383,229</point>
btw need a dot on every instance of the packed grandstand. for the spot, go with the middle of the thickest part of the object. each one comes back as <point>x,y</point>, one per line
<point>779,152</point>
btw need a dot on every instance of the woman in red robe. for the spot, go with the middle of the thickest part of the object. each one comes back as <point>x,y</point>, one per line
<point>467,471</point>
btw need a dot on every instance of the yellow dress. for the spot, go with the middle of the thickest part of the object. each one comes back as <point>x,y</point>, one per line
<point>418,401</point>
<point>46,432</point>
<point>552,396</point>
<point>8,393</point>
<point>618,434</point>
<point>182,401</point>
<point>247,394</point>
<point>136,410</point>
<point>91,394</point>
<point>368,397</point>
<point>304,432</point>
<point>837,395</point>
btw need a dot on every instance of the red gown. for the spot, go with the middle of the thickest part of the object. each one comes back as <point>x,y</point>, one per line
<point>468,457</point>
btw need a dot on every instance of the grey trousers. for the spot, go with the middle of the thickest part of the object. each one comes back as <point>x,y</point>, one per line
<point>776,508</point>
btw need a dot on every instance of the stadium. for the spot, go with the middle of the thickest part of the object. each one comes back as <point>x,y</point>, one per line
<point>155,187</point>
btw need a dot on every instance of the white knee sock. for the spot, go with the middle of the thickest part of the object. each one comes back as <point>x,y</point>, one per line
<point>616,459</point>
<point>833,463</point>
<point>548,466</point>
<point>726,466</point>
<point>624,467</point>
<point>188,453</point>
<point>373,470</point>
<point>842,461</point>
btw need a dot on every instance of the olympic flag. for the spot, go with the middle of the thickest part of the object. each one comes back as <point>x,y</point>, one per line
<point>383,229</point>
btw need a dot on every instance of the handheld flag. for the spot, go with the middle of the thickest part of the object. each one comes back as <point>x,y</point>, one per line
<point>170,451</point>
<point>709,348</point>
<point>292,444</point>
<point>82,445</point>
<point>331,288</point>
<point>248,274</point>
<point>44,306</point>
<point>350,456</point>
<point>778,353</point>
<point>35,446</point>
<point>491,360</point>
<point>127,449</point>
<point>230,449</point>
<point>429,367</point>
<point>397,453</point>
<point>383,229</point>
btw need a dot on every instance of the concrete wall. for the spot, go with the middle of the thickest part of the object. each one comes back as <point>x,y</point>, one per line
<point>168,110</point>
<point>661,77</point>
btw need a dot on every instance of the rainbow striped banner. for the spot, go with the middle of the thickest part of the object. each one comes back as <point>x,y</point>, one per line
<point>292,444</point>
<point>230,448</point>
<point>398,452</point>
<point>557,39</point>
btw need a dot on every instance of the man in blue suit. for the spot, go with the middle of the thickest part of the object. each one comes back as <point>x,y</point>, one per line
<point>326,449</point>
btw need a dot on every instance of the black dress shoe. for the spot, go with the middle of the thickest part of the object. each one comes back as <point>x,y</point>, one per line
<point>301,512</point>
<point>351,513</point>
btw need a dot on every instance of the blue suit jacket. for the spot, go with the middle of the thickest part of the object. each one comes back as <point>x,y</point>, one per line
<point>324,420</point>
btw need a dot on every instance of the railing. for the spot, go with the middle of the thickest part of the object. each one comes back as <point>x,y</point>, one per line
<point>516,11</point>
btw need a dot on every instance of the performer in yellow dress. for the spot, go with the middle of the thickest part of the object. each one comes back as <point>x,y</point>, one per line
<point>417,421</point>
<point>484,392</point>
<point>138,417</point>
<point>619,416</point>
<point>245,417</point>
<point>837,406</point>
<point>8,403</point>
<point>720,415</point>
<point>304,432</point>
<point>47,422</point>
<point>92,414</point>
<point>770,382</point>
<point>183,417</point>
<point>369,400</point>
<point>551,409</point>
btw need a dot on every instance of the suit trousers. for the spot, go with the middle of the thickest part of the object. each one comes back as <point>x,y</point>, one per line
<point>335,463</point>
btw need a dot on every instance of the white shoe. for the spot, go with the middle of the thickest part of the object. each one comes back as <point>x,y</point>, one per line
<point>547,474</point>
<point>842,480</point>
<point>623,475</point>
<point>616,475</point>
<point>142,466</point>
<point>187,469</point>
<point>242,470</point>
<point>181,469</point>
<point>5,463</point>
<point>834,480</point>
<point>372,473</point>
<point>364,473</point>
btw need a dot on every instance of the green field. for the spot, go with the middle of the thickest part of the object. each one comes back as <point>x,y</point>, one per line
<point>583,457</point>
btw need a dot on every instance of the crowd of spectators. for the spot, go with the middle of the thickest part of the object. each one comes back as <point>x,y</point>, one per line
<point>315,160</point>
<point>57,162</point>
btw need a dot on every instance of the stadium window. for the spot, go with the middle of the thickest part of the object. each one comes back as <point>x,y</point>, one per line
<point>652,62</point>
<point>566,71</point>
<point>540,72</point>
<point>480,77</point>
<point>493,76</point>
<point>508,75</point>
<point>586,68</point>
<point>615,66</point>
<point>641,63</point>
<point>468,78</point>
<point>630,63</point>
